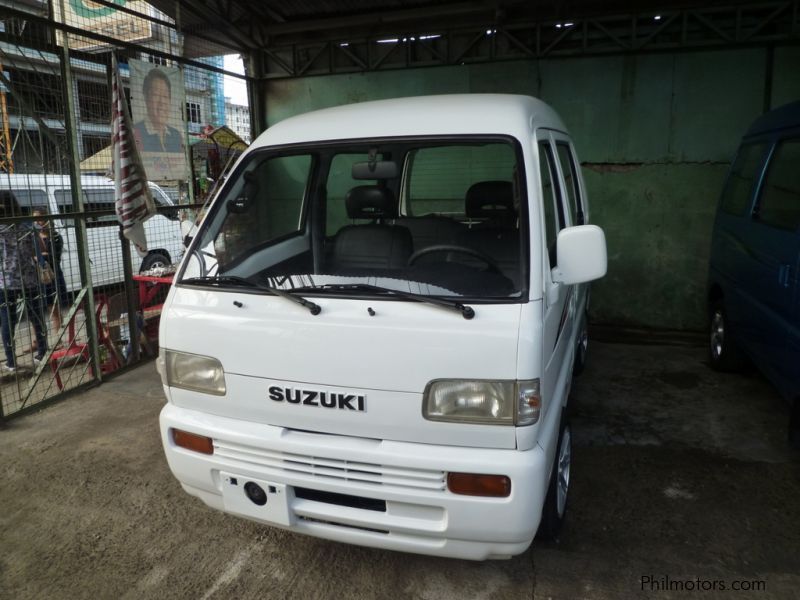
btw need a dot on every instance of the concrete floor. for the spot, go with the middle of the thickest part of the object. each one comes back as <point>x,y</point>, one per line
<point>678,473</point>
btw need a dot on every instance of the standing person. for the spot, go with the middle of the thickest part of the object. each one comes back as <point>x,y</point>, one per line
<point>20,280</point>
<point>154,134</point>
<point>51,247</point>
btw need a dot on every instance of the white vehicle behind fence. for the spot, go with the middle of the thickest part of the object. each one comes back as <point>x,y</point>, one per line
<point>373,334</point>
<point>164,240</point>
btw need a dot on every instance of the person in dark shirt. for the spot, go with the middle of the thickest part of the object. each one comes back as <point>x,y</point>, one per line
<point>20,281</point>
<point>154,134</point>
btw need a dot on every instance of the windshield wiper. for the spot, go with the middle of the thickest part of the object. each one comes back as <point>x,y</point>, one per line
<point>466,311</point>
<point>235,280</point>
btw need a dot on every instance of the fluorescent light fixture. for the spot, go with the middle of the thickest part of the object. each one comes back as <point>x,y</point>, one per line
<point>657,18</point>
<point>388,41</point>
<point>344,44</point>
<point>430,37</point>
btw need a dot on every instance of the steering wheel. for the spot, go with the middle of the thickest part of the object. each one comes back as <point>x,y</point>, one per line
<point>488,260</point>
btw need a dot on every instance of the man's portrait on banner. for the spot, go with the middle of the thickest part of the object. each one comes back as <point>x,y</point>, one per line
<point>157,99</point>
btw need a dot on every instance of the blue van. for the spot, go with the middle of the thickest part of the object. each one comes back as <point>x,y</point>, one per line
<point>754,288</point>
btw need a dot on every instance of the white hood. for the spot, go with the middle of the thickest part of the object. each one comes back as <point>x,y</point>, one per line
<point>272,349</point>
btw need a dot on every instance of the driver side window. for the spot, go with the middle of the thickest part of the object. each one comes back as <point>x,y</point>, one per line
<point>553,211</point>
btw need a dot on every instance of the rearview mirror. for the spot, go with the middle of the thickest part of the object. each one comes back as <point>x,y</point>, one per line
<point>581,252</point>
<point>379,169</point>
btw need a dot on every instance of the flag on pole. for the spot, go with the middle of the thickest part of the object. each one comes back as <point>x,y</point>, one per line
<point>132,199</point>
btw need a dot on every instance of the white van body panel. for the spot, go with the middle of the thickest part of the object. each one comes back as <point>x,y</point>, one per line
<point>163,235</point>
<point>385,350</point>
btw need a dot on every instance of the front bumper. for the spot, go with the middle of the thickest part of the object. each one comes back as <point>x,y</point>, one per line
<point>420,514</point>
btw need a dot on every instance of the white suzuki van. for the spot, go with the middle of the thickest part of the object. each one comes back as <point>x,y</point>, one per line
<point>372,336</point>
<point>165,244</point>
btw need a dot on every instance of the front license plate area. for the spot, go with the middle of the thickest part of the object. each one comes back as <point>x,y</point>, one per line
<point>257,499</point>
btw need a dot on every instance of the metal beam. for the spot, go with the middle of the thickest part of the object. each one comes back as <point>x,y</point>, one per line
<point>414,15</point>
<point>761,24</point>
<point>212,14</point>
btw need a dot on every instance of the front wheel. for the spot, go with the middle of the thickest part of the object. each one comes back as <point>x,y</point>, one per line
<point>555,503</point>
<point>723,353</point>
<point>155,260</point>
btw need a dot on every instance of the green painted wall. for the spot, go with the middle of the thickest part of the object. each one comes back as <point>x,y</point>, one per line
<point>654,133</point>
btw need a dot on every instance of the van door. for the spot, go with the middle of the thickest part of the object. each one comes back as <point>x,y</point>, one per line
<point>577,214</point>
<point>102,233</point>
<point>105,257</point>
<point>557,297</point>
<point>775,245</point>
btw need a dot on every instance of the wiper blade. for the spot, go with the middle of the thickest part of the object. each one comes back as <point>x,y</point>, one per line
<point>466,311</point>
<point>313,307</point>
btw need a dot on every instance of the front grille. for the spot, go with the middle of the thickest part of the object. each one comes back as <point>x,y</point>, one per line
<point>331,468</point>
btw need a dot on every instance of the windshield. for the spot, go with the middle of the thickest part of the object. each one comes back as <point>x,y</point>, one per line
<point>432,218</point>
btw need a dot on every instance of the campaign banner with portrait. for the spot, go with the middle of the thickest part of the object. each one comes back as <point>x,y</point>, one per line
<point>157,109</point>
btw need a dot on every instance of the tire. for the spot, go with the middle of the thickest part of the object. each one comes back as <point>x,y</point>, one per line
<point>723,353</point>
<point>555,503</point>
<point>155,259</point>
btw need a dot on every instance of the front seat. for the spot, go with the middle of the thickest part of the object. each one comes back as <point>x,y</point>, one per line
<point>374,245</point>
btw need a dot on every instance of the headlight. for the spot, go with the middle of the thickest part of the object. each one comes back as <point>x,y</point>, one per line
<point>489,402</point>
<point>194,372</point>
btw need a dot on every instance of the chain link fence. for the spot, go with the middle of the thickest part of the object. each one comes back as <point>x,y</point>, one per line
<point>78,301</point>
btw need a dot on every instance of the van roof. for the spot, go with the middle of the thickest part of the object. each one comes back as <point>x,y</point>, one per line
<point>453,114</point>
<point>783,117</point>
<point>32,180</point>
<point>37,180</point>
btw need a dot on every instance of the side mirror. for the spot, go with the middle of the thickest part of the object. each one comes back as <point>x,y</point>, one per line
<point>581,252</point>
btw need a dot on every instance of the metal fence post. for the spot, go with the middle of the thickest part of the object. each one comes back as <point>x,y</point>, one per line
<point>71,130</point>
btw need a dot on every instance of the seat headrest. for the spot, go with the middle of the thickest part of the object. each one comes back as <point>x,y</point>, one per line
<point>370,202</point>
<point>490,199</point>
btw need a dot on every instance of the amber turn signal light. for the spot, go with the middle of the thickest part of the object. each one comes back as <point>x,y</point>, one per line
<point>193,442</point>
<point>471,484</point>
